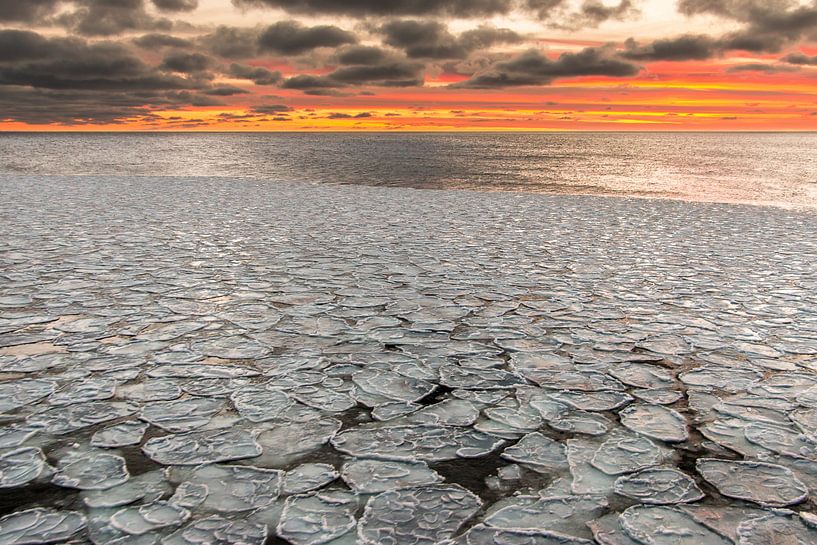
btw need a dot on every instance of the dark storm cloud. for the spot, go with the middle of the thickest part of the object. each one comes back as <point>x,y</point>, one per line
<point>800,59</point>
<point>269,109</point>
<point>533,68</point>
<point>70,80</point>
<point>761,67</point>
<point>306,81</point>
<point>390,74</point>
<point>363,8</point>
<point>20,45</point>
<point>71,63</point>
<point>362,54</point>
<point>682,48</point>
<point>593,13</point>
<point>292,38</point>
<point>225,91</point>
<point>432,40</point>
<point>158,41</point>
<point>26,11</point>
<point>111,17</point>
<point>186,62</point>
<point>70,107</point>
<point>771,25</point>
<point>176,5</point>
<point>231,42</point>
<point>256,74</point>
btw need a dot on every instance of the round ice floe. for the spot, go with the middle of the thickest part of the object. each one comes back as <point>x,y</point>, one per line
<point>202,447</point>
<point>582,381</point>
<point>138,520</point>
<point>259,404</point>
<point>521,419</point>
<point>782,440</point>
<point>375,476</point>
<point>766,484</point>
<point>564,514</point>
<point>319,517</point>
<point>451,412</point>
<point>39,526</point>
<point>189,494</point>
<point>538,451</point>
<point>392,385</point>
<point>217,530</point>
<point>655,421</point>
<point>658,396</point>
<point>580,422</point>
<point>64,420</point>
<point>777,527</point>
<point>667,526</point>
<point>199,370</point>
<point>181,415</point>
<point>20,466</point>
<point>147,487</point>
<point>660,486</point>
<point>237,347</point>
<point>151,390</point>
<point>592,401</point>
<point>623,454</point>
<point>325,399</point>
<point>722,378</point>
<point>308,477</point>
<point>120,435</point>
<point>642,375</point>
<point>19,393</point>
<point>91,471</point>
<point>485,535</point>
<point>469,378</point>
<point>427,515</point>
<point>412,443</point>
<point>233,488</point>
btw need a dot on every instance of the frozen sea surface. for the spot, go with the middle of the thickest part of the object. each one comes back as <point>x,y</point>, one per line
<point>228,361</point>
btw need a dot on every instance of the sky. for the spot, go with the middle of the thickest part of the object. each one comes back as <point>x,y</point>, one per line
<point>408,65</point>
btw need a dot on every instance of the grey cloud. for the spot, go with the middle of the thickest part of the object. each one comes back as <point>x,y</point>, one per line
<point>292,38</point>
<point>157,41</point>
<point>432,40</point>
<point>533,68</point>
<point>361,54</point>
<point>186,62</point>
<point>362,8</point>
<point>231,42</point>
<point>176,5</point>
<point>306,81</point>
<point>225,91</point>
<point>682,48</point>
<point>111,17</point>
<point>761,67</point>
<point>269,109</point>
<point>770,24</point>
<point>256,74</point>
<point>400,74</point>
<point>70,80</point>
<point>800,59</point>
<point>26,11</point>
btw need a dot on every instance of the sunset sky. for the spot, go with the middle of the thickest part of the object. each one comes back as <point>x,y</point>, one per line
<point>279,65</point>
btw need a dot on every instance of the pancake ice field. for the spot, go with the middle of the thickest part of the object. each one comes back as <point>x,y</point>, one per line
<point>232,361</point>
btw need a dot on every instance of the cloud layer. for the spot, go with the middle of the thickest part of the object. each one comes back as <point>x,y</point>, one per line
<point>109,61</point>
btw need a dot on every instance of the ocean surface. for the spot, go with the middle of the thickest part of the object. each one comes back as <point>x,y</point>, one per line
<point>760,168</point>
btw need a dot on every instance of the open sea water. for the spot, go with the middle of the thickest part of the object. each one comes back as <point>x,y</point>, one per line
<point>759,168</point>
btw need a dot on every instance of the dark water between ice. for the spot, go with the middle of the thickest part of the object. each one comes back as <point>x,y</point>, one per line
<point>726,167</point>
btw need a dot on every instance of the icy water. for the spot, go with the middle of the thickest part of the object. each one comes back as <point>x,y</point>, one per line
<point>228,361</point>
<point>766,168</point>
